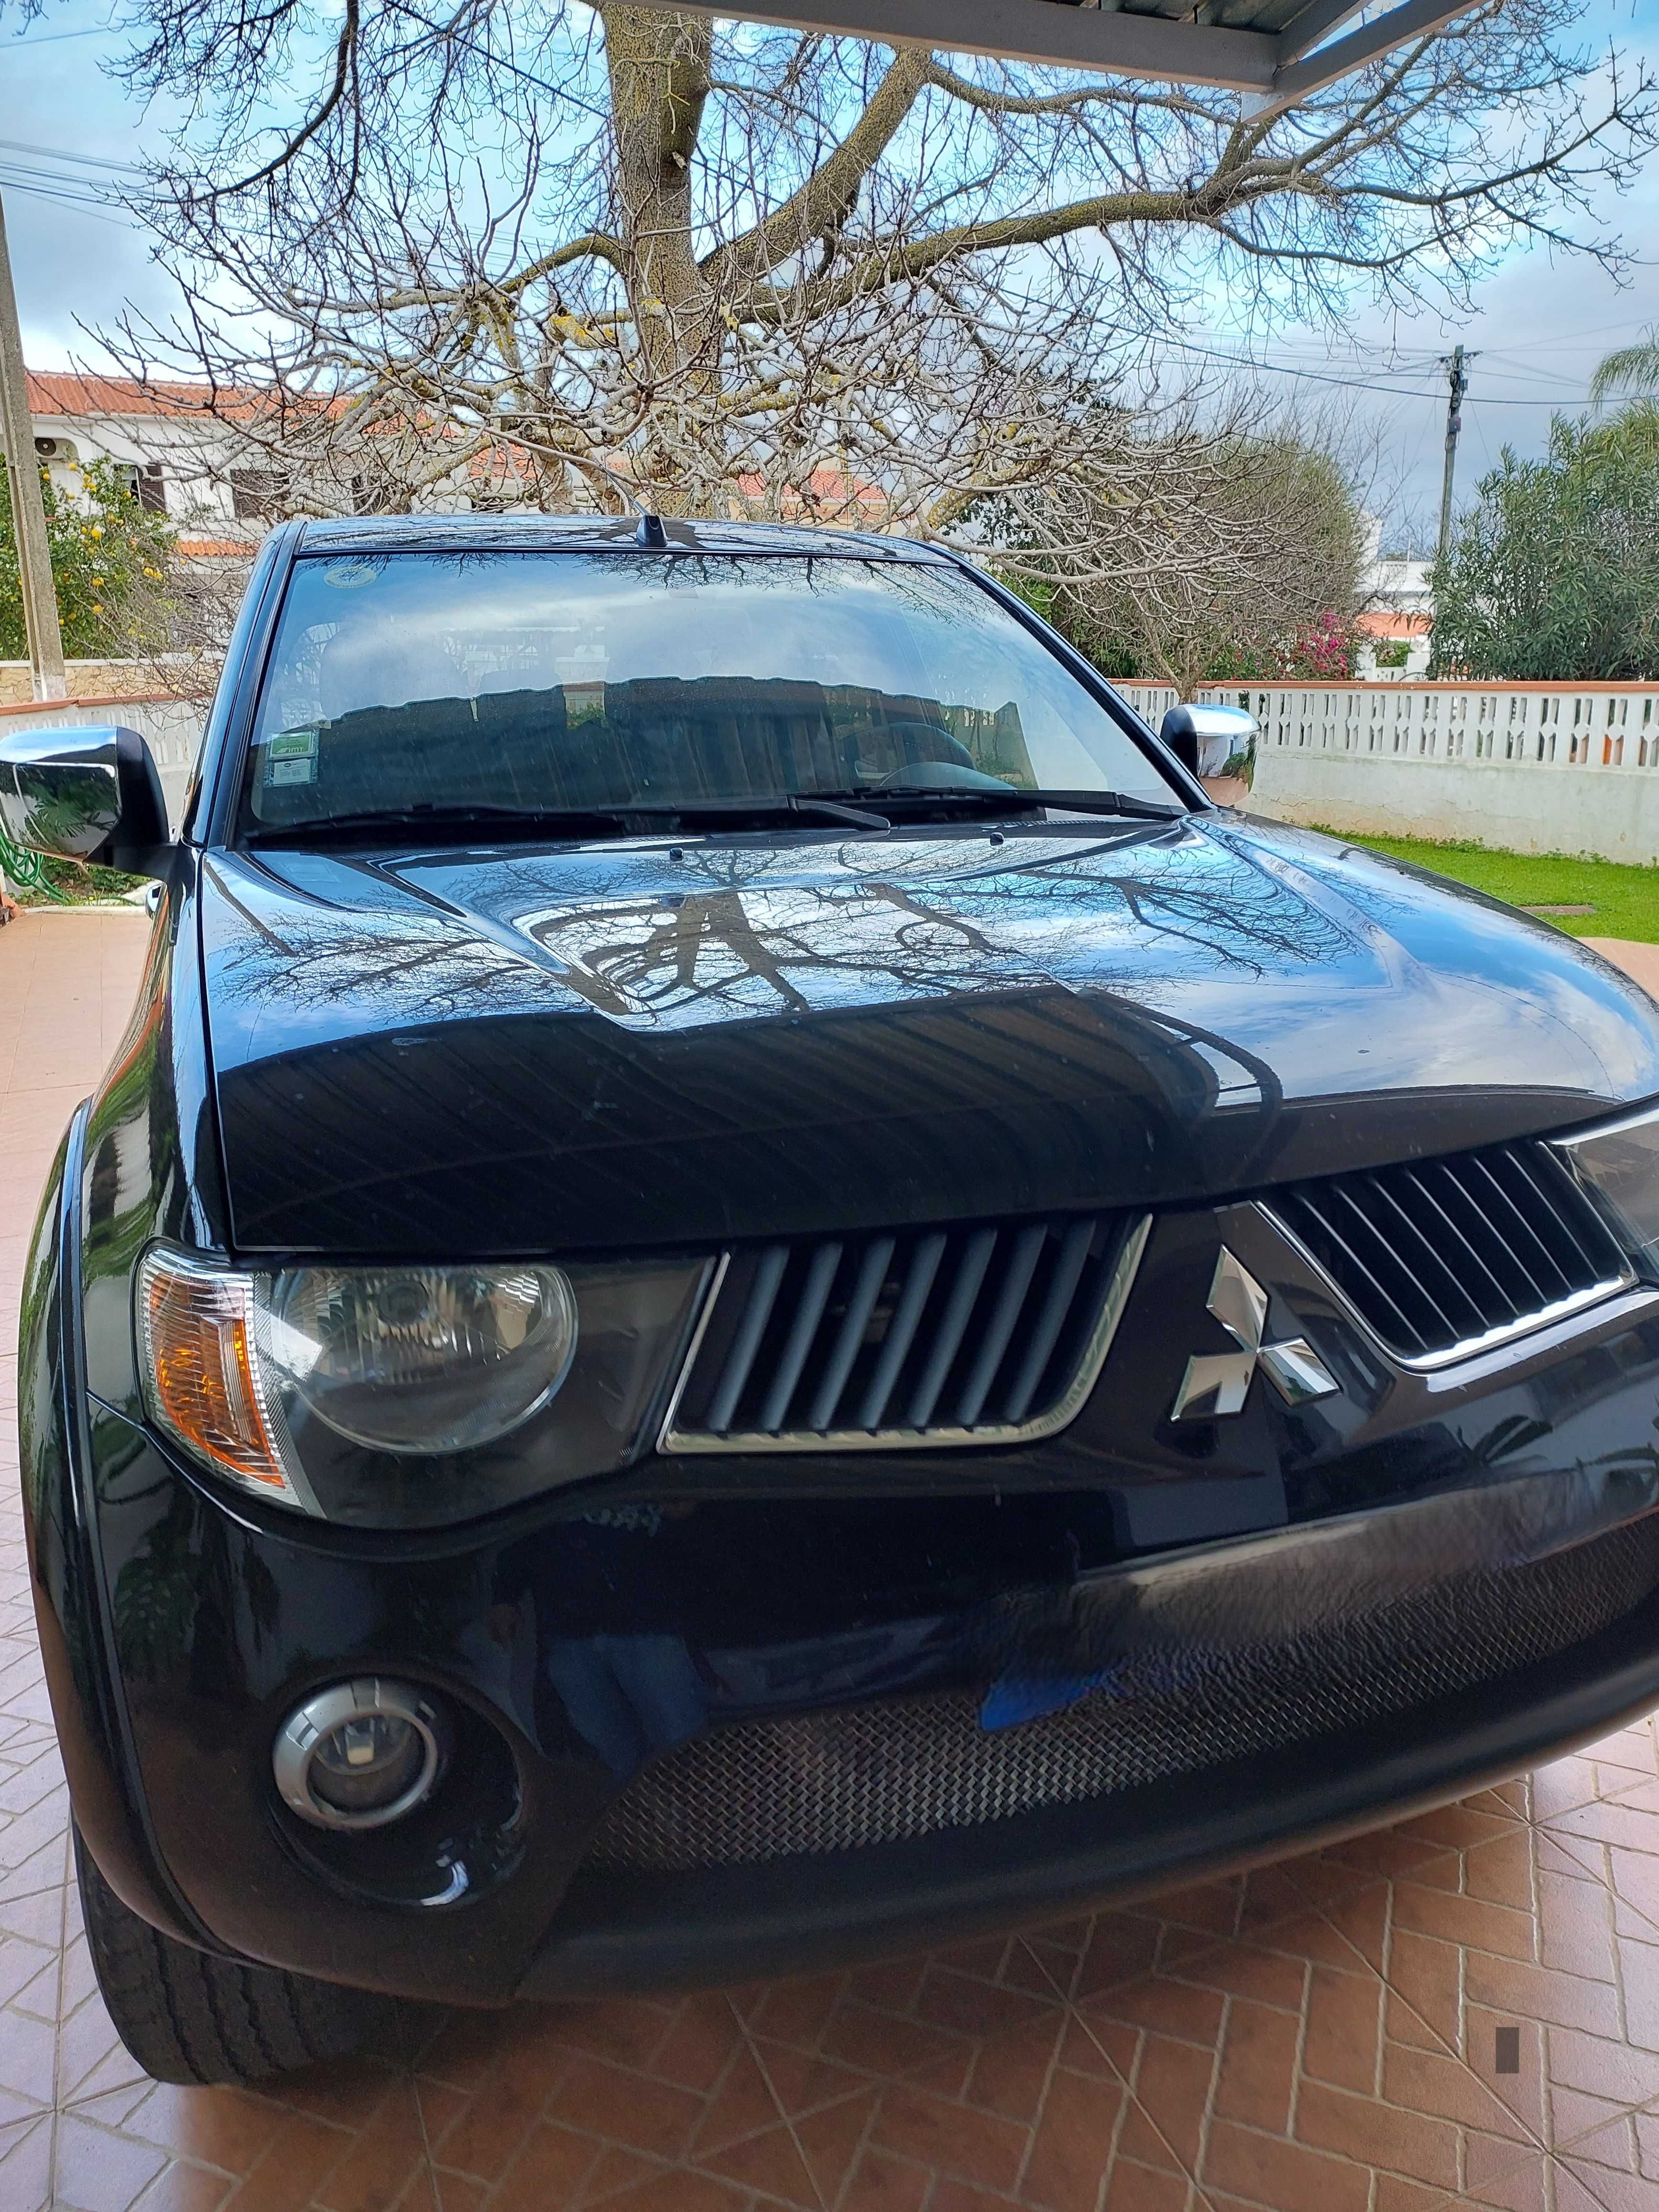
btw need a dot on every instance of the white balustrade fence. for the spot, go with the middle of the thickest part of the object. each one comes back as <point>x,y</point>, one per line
<point>1152,701</point>
<point>171,727</point>
<point>1536,767</point>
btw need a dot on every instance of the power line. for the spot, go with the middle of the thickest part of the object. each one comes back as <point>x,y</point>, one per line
<point>62,154</point>
<point>53,37</point>
<point>88,207</point>
<point>1362,384</point>
<point>68,187</point>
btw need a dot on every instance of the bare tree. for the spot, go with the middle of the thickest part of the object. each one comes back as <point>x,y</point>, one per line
<point>496,252</point>
<point>1194,551</point>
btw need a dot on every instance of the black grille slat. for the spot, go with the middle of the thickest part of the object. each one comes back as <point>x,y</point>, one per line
<point>872,1273</point>
<point>1513,1301</point>
<point>1581,1229</point>
<point>820,1274</point>
<point>1068,1272</point>
<point>1028,1251</point>
<point>924,1265</point>
<point>1331,1236</point>
<point>1508,1222</point>
<point>953,1327</point>
<point>1472,1253</point>
<point>1430,1269</point>
<point>1436,1254</point>
<point>762,1298</point>
<point>909,1336</point>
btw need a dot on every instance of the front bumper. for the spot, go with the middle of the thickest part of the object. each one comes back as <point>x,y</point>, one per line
<point>501,1896</point>
<point>592,1640</point>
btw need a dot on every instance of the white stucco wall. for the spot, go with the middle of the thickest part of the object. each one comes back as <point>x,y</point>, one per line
<point>172,729</point>
<point>1536,810</point>
<point>1532,768</point>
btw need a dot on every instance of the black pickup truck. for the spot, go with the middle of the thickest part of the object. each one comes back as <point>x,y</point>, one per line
<point>738,1298</point>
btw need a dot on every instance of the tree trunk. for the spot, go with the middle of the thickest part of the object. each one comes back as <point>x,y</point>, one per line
<point>659,70</point>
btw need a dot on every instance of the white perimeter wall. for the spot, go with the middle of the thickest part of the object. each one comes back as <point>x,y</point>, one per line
<point>171,727</point>
<point>1536,767</point>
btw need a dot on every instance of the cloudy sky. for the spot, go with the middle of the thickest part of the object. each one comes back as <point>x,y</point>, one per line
<point>1537,327</point>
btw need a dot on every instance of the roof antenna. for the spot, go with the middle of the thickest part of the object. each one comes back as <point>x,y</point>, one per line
<point>650,533</point>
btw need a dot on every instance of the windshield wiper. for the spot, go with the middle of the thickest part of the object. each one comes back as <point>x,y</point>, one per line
<point>1077,802</point>
<point>555,822</point>
<point>565,821</point>
<point>1114,802</point>
<point>625,819</point>
<point>807,805</point>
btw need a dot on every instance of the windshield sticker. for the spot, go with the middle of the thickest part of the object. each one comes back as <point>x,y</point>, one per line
<point>291,757</point>
<point>351,575</point>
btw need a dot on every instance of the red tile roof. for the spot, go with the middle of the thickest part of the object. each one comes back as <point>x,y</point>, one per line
<point>67,392</point>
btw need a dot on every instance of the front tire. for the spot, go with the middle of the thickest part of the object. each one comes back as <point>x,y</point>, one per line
<point>190,2017</point>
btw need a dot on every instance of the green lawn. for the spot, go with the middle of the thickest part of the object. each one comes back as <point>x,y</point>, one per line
<point>1624,901</point>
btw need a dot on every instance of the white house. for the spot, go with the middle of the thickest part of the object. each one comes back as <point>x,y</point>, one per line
<point>180,461</point>
<point>1396,612</point>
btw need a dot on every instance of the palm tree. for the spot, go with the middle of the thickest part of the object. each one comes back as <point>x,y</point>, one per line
<point>1632,371</point>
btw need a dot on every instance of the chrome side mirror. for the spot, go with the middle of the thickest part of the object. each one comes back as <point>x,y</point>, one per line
<point>91,794</point>
<point>1205,738</point>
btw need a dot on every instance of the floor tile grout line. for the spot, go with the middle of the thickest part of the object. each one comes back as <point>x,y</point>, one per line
<point>765,2071</point>
<point>406,2071</point>
<point>1050,2069</point>
<point>1255,1938</point>
<point>1605,1881</point>
<point>861,2150</point>
<point>874,2085</point>
<point>1547,2149</point>
<point>1552,2156</point>
<point>57,2025</point>
<point>1394,1990</point>
<point>1194,2184</point>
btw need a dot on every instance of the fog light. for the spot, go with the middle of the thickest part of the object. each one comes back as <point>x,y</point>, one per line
<point>359,1754</point>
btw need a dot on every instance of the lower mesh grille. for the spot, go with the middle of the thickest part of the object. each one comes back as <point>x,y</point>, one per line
<point>856,1775</point>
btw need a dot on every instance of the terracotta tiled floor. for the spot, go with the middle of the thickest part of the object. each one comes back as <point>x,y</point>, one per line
<point>1328,2035</point>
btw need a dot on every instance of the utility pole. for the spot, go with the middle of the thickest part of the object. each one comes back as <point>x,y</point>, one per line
<point>1459,384</point>
<point>28,512</point>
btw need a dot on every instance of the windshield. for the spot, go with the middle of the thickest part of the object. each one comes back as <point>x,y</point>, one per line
<point>553,681</point>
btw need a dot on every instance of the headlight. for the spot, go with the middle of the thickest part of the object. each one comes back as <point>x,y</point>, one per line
<point>410,1395</point>
<point>422,1359</point>
<point>1618,1164</point>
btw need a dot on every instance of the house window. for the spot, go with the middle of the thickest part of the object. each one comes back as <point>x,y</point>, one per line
<point>255,495</point>
<point>145,483</point>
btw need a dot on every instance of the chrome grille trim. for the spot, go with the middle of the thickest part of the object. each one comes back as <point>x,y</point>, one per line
<point>1443,1259</point>
<point>1059,1304</point>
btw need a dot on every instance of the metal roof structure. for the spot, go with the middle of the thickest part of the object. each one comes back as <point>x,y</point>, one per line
<point>1270,51</point>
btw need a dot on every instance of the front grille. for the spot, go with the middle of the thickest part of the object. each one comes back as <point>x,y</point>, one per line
<point>837,1780</point>
<point>1438,1256</point>
<point>925,1338</point>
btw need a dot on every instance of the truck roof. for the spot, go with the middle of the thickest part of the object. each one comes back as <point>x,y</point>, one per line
<point>432,534</point>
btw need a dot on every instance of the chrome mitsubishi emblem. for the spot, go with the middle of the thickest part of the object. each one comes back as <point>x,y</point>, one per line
<point>1219,1383</point>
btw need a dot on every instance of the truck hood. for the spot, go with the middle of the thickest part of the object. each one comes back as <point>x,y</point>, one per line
<point>644,1045</point>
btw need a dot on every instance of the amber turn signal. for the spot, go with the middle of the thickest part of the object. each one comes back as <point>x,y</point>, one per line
<point>201,1375</point>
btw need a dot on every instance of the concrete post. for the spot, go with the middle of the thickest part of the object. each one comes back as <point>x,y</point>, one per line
<point>28,513</point>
